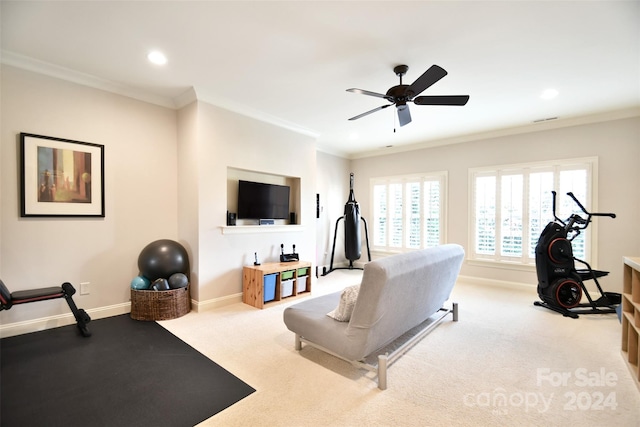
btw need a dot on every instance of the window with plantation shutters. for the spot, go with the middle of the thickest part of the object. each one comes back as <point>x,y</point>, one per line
<point>511,205</point>
<point>408,211</point>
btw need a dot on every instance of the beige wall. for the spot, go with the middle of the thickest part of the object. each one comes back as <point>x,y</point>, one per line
<point>165,177</point>
<point>188,203</point>
<point>616,144</point>
<point>333,187</point>
<point>229,140</point>
<point>140,190</point>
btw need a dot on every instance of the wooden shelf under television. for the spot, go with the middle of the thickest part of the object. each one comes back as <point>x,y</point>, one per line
<point>246,229</point>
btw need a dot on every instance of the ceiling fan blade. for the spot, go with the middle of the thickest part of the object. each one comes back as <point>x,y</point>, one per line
<point>441,100</point>
<point>366,92</point>
<point>431,76</point>
<point>404,115</point>
<point>369,112</point>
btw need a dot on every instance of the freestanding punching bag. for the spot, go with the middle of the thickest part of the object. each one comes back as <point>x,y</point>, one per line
<point>352,242</point>
<point>352,226</point>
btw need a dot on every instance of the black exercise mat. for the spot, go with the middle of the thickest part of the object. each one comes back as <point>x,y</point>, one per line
<point>128,373</point>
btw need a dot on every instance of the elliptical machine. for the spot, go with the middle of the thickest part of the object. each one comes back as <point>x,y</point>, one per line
<point>560,284</point>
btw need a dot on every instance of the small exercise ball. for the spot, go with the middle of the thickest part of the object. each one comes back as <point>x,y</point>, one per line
<point>178,280</point>
<point>162,258</point>
<point>140,283</point>
<point>160,285</point>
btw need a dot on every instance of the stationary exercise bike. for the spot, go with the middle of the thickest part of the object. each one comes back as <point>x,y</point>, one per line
<point>560,284</point>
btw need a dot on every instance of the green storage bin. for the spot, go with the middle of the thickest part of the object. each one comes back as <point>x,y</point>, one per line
<point>303,271</point>
<point>286,275</point>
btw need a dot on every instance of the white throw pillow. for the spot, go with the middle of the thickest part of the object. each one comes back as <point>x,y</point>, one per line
<point>348,298</point>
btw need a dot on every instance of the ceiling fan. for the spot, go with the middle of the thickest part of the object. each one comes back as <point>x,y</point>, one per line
<point>401,94</point>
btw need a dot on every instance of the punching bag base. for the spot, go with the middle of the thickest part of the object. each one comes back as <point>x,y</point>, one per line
<point>350,267</point>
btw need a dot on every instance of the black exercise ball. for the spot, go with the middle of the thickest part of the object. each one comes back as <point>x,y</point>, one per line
<point>178,280</point>
<point>162,258</point>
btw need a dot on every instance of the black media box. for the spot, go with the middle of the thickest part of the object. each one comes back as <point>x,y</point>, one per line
<point>231,218</point>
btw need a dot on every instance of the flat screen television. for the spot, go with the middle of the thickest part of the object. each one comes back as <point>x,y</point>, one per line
<point>257,200</point>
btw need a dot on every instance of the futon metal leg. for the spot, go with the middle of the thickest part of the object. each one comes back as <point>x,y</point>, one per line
<point>298,343</point>
<point>382,372</point>
<point>455,311</point>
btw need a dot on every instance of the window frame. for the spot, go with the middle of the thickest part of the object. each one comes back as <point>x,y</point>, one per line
<point>440,176</point>
<point>524,262</point>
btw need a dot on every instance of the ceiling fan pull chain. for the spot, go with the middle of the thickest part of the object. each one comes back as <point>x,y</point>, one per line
<point>394,121</point>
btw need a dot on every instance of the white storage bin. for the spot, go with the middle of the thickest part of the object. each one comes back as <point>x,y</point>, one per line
<point>301,284</point>
<point>286,288</point>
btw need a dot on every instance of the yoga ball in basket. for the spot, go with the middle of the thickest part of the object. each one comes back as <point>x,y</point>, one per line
<point>163,258</point>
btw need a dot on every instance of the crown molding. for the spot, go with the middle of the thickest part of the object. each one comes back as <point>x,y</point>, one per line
<point>185,98</point>
<point>190,95</point>
<point>516,130</point>
<point>194,94</point>
<point>67,74</point>
<point>244,110</point>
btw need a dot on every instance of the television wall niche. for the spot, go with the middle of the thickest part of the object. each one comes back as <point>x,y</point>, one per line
<point>235,175</point>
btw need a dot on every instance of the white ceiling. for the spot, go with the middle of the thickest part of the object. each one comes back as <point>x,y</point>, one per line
<point>290,63</point>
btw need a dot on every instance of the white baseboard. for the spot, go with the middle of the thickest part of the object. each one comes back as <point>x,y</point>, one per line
<point>28,326</point>
<point>497,283</point>
<point>34,325</point>
<point>19,328</point>
<point>210,304</point>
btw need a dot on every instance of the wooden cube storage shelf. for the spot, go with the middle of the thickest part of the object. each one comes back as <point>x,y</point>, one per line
<point>631,316</point>
<point>253,280</point>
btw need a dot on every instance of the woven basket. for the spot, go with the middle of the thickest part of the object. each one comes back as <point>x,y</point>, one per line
<point>160,305</point>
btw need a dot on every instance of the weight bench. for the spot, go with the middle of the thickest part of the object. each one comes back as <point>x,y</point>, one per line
<point>66,291</point>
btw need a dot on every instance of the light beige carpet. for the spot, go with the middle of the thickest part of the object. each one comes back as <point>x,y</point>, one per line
<point>505,362</point>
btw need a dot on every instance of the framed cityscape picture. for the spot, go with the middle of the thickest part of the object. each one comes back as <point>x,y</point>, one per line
<point>61,177</point>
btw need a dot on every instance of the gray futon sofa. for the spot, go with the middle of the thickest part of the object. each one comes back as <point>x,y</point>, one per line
<point>398,294</point>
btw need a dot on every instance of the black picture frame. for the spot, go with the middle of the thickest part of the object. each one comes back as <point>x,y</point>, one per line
<point>60,177</point>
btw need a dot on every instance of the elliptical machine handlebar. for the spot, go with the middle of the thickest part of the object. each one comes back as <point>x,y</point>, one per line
<point>573,219</point>
<point>590,214</point>
<point>575,222</point>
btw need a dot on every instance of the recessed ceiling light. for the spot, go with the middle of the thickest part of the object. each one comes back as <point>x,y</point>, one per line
<point>549,94</point>
<point>157,57</point>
